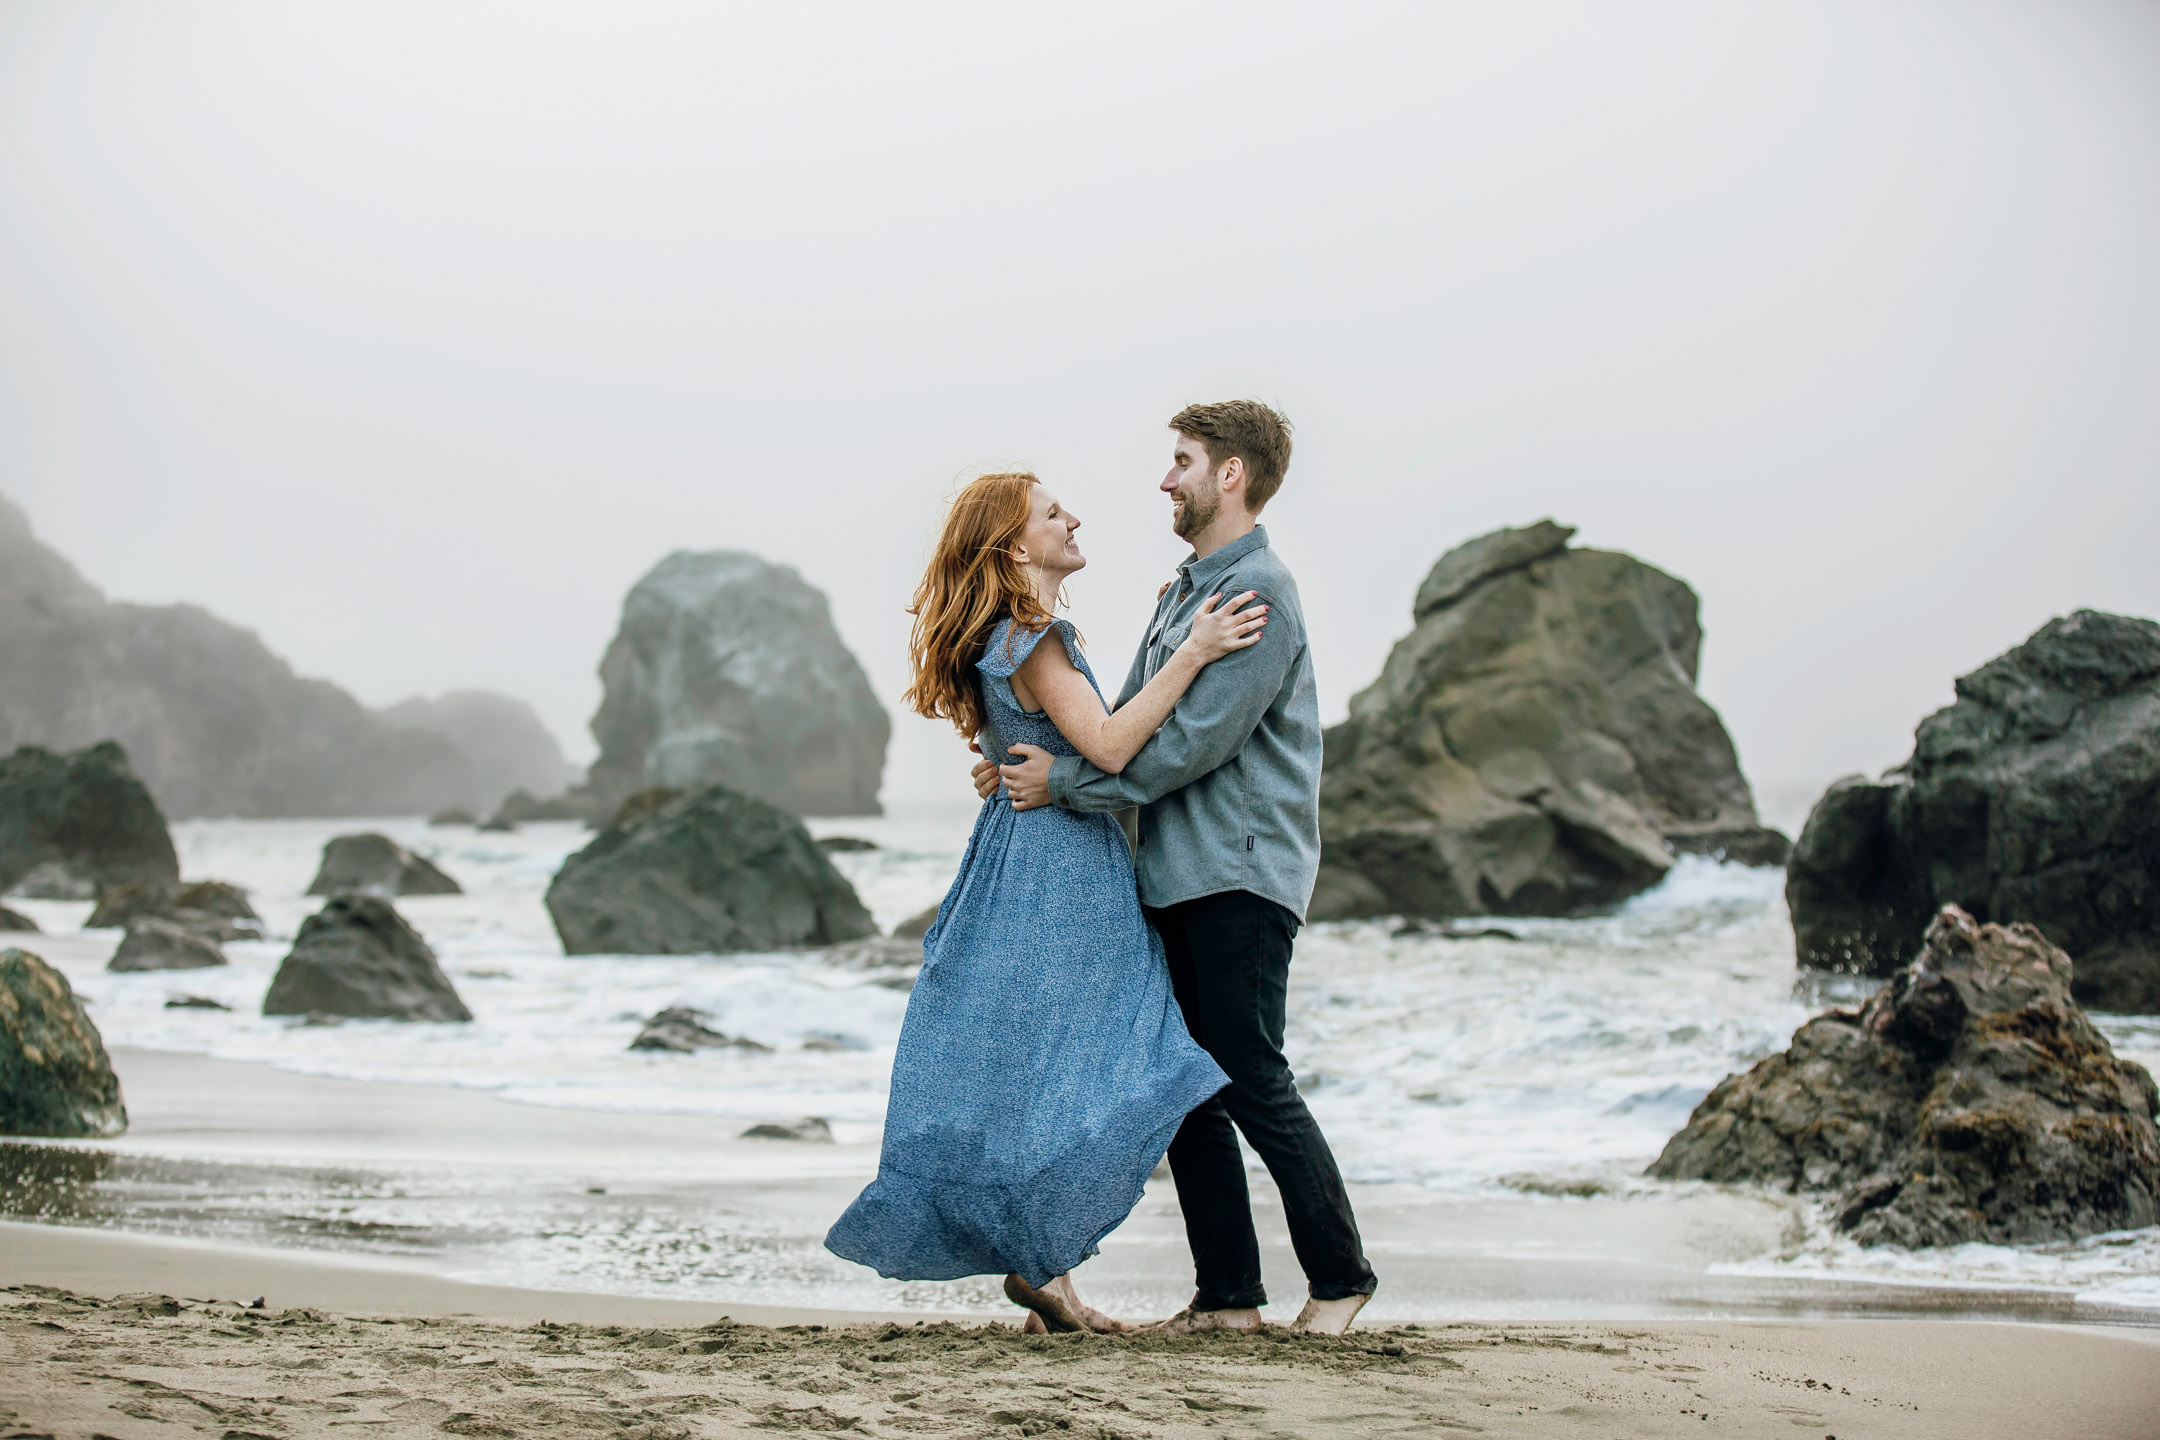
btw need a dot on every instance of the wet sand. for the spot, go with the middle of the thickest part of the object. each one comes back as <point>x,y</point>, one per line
<point>122,1360</point>
<point>480,1188</point>
<point>1569,1318</point>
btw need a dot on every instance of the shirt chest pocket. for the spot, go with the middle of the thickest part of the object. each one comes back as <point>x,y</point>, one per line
<point>1163,640</point>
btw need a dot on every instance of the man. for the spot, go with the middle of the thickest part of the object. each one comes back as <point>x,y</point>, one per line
<point>1229,797</point>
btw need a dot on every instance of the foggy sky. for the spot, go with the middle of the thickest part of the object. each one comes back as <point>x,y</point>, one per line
<point>411,335</point>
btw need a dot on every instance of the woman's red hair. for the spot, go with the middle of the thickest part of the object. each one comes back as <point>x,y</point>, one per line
<point>973,581</point>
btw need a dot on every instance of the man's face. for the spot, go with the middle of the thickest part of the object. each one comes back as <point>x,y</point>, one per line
<point>1195,495</point>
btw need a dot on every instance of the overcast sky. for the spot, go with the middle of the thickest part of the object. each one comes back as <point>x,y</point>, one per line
<point>410,335</point>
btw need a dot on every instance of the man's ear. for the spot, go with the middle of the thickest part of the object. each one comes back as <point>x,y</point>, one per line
<point>1231,477</point>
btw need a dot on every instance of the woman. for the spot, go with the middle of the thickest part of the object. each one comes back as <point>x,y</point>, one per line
<point>1043,1067</point>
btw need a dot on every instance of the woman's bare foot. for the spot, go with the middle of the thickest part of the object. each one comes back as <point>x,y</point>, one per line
<point>1058,1314</point>
<point>1095,1319</point>
<point>1329,1317</point>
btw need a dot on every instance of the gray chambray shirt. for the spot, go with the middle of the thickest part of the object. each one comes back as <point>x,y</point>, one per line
<point>1229,787</point>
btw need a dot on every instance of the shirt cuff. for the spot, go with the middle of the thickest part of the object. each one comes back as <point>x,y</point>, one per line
<point>1064,774</point>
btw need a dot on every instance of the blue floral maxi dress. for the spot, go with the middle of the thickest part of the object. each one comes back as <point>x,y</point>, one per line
<point>1044,1065</point>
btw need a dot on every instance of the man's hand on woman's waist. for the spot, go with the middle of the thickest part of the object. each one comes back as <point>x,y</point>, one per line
<point>1028,782</point>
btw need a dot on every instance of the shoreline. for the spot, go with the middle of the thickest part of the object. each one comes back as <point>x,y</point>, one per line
<point>476,1189</point>
<point>129,1337</point>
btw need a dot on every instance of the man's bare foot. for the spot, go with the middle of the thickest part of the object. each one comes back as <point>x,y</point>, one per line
<point>1034,1325</point>
<point>1058,1314</point>
<point>1329,1317</point>
<point>1191,1322</point>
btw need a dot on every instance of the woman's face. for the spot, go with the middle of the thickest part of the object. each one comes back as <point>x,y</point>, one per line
<point>1047,543</point>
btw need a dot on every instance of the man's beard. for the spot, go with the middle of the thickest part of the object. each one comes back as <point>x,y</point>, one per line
<point>1197,513</point>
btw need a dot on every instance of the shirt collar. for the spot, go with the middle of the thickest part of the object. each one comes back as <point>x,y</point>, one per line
<point>1199,572</point>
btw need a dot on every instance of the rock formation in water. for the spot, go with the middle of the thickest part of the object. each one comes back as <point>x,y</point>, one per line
<point>711,872</point>
<point>502,739</point>
<point>84,814</point>
<point>211,909</point>
<point>16,921</point>
<point>155,943</point>
<point>55,1077</point>
<point>2035,797</point>
<point>1535,746</point>
<point>809,1130</point>
<point>580,803</point>
<point>917,925</point>
<point>682,1031</point>
<point>213,721</point>
<point>356,957</point>
<point>727,670</point>
<point>1968,1100</point>
<point>377,865</point>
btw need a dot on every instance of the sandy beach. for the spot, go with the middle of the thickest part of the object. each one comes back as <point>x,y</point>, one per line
<point>465,1185</point>
<point>153,1338</point>
<point>1603,1320</point>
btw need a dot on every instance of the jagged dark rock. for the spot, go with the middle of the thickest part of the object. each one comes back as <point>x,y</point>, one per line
<point>357,958</point>
<point>377,865</point>
<point>2035,797</point>
<point>711,872</point>
<point>1969,1100</point>
<point>196,1002</point>
<point>55,1077</point>
<point>155,943</point>
<point>1535,746</point>
<point>17,922</point>
<point>455,815</point>
<point>844,844</point>
<point>86,813</point>
<point>728,670</point>
<point>682,1031</point>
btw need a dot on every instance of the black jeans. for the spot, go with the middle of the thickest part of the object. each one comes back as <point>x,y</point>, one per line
<point>1230,965</point>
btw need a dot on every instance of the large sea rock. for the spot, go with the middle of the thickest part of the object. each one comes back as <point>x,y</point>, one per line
<point>214,723</point>
<point>155,943</point>
<point>212,909</point>
<point>503,739</point>
<point>2034,797</point>
<point>55,1077</point>
<point>373,864</point>
<point>727,671</point>
<point>1969,1100</point>
<point>713,872</point>
<point>1534,746</point>
<point>83,814</point>
<point>356,957</point>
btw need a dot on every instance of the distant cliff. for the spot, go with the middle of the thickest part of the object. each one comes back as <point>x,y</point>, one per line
<point>214,723</point>
<point>502,738</point>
